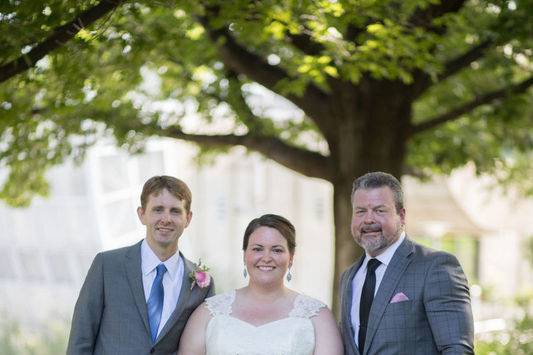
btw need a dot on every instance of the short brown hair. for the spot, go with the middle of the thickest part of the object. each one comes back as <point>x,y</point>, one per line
<point>379,179</point>
<point>176,187</point>
<point>281,224</point>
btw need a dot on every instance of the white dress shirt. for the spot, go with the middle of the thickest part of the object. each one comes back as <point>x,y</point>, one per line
<point>359,280</point>
<point>172,279</point>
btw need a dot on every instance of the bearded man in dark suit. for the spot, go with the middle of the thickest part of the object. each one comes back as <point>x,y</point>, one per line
<point>400,297</point>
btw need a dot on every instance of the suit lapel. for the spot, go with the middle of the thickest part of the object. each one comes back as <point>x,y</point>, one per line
<point>347,292</point>
<point>183,300</point>
<point>394,272</point>
<point>132,265</point>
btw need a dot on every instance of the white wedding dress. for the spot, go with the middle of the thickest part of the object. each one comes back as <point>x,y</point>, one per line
<point>294,335</point>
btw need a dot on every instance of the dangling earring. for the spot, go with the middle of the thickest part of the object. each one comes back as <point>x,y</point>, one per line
<point>289,275</point>
<point>244,272</point>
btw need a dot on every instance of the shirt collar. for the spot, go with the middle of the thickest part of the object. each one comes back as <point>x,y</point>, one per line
<point>387,255</point>
<point>149,261</point>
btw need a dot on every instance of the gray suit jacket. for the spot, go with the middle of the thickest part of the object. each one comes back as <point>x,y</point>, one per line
<point>437,318</point>
<point>111,317</point>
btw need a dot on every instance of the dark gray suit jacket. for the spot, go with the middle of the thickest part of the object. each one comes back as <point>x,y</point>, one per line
<point>437,318</point>
<point>111,317</point>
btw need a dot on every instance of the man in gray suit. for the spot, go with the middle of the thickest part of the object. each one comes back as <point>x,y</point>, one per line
<point>136,300</point>
<point>400,297</point>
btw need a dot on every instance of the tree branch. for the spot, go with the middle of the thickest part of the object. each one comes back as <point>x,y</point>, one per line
<point>424,17</point>
<point>237,101</point>
<point>234,98</point>
<point>58,38</point>
<point>469,106</point>
<point>305,43</point>
<point>353,31</point>
<point>456,64</point>
<point>254,67</point>
<point>422,81</point>
<point>242,61</point>
<point>415,172</point>
<point>303,161</point>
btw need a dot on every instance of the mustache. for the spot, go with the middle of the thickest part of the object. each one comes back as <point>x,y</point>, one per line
<point>369,228</point>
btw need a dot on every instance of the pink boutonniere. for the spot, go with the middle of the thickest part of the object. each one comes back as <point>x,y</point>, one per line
<point>199,275</point>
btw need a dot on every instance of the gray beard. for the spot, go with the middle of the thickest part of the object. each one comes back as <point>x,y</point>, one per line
<point>373,245</point>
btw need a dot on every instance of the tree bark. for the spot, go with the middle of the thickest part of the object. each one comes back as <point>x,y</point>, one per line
<point>346,250</point>
<point>372,129</point>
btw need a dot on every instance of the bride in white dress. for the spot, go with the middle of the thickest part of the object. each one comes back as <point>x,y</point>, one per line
<point>265,317</point>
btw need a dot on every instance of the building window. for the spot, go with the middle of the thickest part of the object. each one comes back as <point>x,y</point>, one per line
<point>119,218</point>
<point>59,266</point>
<point>7,267</point>
<point>464,247</point>
<point>319,208</point>
<point>114,173</point>
<point>31,265</point>
<point>150,164</point>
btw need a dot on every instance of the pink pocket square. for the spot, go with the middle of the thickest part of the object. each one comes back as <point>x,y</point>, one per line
<point>399,297</point>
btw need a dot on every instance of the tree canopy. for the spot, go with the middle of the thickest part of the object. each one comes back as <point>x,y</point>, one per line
<point>409,87</point>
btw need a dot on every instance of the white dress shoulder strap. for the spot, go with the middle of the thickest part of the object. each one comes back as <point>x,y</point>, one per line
<point>220,304</point>
<point>306,307</point>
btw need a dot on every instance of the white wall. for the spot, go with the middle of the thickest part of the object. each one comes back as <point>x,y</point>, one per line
<point>506,216</point>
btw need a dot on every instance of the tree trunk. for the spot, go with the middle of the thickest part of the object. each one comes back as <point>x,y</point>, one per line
<point>371,135</point>
<point>346,250</point>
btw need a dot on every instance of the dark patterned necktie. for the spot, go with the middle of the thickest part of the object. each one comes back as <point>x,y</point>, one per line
<point>367,296</point>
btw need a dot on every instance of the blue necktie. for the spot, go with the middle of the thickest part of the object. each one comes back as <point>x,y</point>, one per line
<point>155,301</point>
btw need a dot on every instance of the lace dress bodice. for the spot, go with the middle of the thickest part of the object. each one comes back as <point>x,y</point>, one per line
<point>293,335</point>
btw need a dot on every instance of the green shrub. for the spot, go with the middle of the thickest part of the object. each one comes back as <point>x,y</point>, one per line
<point>51,339</point>
<point>518,340</point>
